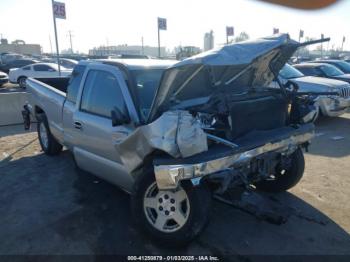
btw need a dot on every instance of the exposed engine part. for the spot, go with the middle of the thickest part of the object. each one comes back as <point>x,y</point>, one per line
<point>222,141</point>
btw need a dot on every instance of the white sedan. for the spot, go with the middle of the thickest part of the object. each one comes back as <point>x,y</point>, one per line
<point>38,70</point>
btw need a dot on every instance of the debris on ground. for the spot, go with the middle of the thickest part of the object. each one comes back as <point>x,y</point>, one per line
<point>258,205</point>
<point>337,138</point>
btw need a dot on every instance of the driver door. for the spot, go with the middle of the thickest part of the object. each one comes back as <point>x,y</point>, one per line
<point>95,137</point>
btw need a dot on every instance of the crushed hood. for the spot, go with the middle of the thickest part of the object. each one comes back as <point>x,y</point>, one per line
<point>244,64</point>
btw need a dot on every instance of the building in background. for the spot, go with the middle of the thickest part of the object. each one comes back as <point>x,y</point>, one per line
<point>208,41</point>
<point>186,51</point>
<point>127,50</point>
<point>19,47</point>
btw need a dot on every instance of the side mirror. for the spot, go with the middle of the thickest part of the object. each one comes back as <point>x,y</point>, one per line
<point>290,85</point>
<point>119,118</point>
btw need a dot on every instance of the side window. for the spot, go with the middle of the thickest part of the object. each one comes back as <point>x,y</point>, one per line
<point>42,68</point>
<point>318,72</point>
<point>101,93</point>
<point>26,68</point>
<point>74,83</point>
<point>307,71</point>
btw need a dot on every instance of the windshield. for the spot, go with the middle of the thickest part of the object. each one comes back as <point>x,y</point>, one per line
<point>289,72</point>
<point>344,66</point>
<point>330,70</point>
<point>147,81</point>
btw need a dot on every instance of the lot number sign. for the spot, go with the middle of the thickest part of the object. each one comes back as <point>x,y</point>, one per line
<point>59,10</point>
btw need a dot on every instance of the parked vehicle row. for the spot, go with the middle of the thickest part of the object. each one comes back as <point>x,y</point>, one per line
<point>37,71</point>
<point>327,105</point>
<point>322,70</point>
<point>16,64</point>
<point>344,66</point>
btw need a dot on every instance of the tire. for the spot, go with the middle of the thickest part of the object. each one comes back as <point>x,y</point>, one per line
<point>22,82</point>
<point>193,203</point>
<point>288,179</point>
<point>47,142</point>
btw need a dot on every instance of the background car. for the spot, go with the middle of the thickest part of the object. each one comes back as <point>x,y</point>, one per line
<point>38,71</point>
<point>340,64</point>
<point>17,64</point>
<point>328,105</point>
<point>3,78</point>
<point>322,70</point>
<point>65,62</point>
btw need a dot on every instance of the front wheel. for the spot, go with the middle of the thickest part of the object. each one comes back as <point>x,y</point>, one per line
<point>22,82</point>
<point>173,217</point>
<point>285,178</point>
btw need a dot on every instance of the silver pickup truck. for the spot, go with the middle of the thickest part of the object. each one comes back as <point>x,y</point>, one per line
<point>172,133</point>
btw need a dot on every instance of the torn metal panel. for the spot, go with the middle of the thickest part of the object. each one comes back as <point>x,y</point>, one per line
<point>256,61</point>
<point>190,138</point>
<point>177,133</point>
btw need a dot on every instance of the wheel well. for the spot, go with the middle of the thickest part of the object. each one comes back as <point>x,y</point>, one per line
<point>20,78</point>
<point>38,111</point>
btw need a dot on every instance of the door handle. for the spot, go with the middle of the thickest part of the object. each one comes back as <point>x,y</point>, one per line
<point>77,125</point>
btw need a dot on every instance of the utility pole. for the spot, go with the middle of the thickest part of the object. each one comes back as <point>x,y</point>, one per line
<point>50,45</point>
<point>143,50</point>
<point>342,44</point>
<point>322,36</point>
<point>70,40</point>
<point>158,44</point>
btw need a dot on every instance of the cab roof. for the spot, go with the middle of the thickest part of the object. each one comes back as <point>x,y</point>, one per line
<point>137,63</point>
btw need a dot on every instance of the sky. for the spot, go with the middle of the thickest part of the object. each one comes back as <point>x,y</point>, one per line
<point>113,22</point>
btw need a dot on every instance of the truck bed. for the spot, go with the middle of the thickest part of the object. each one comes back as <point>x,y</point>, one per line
<point>59,83</point>
<point>44,97</point>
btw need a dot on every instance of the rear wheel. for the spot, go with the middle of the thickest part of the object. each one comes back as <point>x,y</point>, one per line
<point>47,142</point>
<point>173,217</point>
<point>285,178</point>
<point>22,82</point>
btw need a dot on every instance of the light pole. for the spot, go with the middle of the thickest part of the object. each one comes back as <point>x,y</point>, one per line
<point>57,48</point>
<point>70,40</point>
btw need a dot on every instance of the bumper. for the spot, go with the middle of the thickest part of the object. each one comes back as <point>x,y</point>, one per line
<point>3,81</point>
<point>333,106</point>
<point>169,175</point>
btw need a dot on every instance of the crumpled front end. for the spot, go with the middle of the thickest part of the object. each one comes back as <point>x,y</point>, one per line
<point>176,133</point>
<point>169,173</point>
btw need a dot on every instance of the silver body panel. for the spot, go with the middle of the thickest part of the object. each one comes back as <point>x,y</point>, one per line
<point>93,145</point>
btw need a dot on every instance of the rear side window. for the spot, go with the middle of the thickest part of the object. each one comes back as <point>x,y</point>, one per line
<point>101,93</point>
<point>74,83</point>
<point>26,68</point>
<point>43,68</point>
